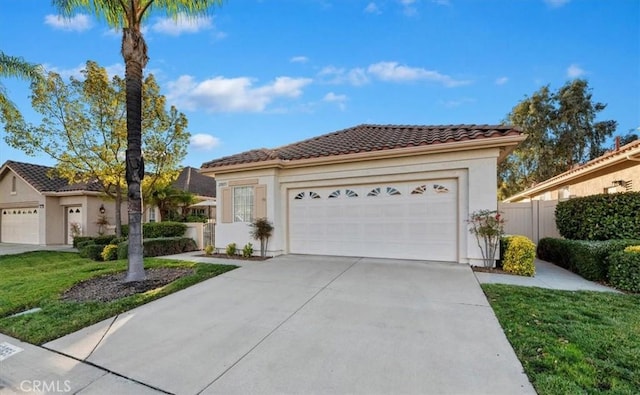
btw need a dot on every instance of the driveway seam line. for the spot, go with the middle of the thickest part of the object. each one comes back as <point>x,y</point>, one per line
<point>102,337</point>
<point>278,327</point>
<point>106,370</point>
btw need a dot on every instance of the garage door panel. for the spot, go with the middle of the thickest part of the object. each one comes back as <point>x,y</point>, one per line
<point>414,220</point>
<point>20,225</point>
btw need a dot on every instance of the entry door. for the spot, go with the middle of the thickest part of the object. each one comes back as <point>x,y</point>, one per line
<point>74,220</point>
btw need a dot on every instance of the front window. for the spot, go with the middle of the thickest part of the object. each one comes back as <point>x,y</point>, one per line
<point>13,185</point>
<point>242,204</point>
<point>152,214</point>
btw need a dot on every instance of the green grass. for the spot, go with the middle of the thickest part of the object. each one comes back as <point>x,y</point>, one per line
<point>572,342</point>
<point>37,279</point>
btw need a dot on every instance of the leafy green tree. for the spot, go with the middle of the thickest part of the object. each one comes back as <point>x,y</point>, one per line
<point>562,132</point>
<point>172,202</point>
<point>14,67</point>
<point>83,128</point>
<point>129,15</point>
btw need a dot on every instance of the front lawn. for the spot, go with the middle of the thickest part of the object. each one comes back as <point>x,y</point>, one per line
<point>572,342</point>
<point>38,279</point>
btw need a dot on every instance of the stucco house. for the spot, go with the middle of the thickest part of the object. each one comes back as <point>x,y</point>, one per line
<point>616,171</point>
<point>388,191</point>
<point>36,208</point>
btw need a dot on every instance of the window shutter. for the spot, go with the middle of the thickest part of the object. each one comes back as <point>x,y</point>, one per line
<point>227,205</point>
<point>260,203</point>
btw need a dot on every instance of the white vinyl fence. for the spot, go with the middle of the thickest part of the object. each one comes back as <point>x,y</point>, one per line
<point>534,219</point>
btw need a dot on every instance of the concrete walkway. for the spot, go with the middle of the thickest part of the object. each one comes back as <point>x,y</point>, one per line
<point>300,324</point>
<point>11,249</point>
<point>547,275</point>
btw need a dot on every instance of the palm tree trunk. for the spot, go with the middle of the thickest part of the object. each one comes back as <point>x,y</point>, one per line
<point>134,53</point>
<point>118,210</point>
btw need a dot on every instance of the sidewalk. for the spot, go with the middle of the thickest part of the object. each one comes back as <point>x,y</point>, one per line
<point>34,369</point>
<point>547,275</point>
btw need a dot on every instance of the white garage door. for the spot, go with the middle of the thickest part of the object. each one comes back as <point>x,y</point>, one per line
<point>416,220</point>
<point>20,225</point>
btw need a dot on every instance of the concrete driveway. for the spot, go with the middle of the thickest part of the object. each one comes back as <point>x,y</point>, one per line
<point>311,324</point>
<point>10,248</point>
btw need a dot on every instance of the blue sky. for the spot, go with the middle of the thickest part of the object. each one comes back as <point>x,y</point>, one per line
<point>264,73</point>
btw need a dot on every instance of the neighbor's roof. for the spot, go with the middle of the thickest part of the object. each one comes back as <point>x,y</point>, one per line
<point>367,138</point>
<point>191,180</point>
<point>40,178</point>
<point>631,150</point>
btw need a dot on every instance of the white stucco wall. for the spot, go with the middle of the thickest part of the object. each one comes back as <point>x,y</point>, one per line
<point>474,170</point>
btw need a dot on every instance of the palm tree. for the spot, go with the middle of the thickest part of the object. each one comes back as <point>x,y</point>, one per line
<point>129,15</point>
<point>14,67</point>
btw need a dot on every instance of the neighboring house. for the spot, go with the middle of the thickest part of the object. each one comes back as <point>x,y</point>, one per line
<point>613,172</point>
<point>203,188</point>
<point>36,208</point>
<point>387,191</point>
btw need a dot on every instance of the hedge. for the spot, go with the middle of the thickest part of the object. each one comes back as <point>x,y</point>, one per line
<point>519,256</point>
<point>600,217</point>
<point>587,258</point>
<point>153,230</point>
<point>160,246</point>
<point>79,239</point>
<point>92,251</point>
<point>624,270</point>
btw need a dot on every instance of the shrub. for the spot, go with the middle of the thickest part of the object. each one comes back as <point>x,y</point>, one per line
<point>262,229</point>
<point>635,249</point>
<point>103,240</point>
<point>109,252</point>
<point>153,230</point>
<point>624,270</point>
<point>600,217</point>
<point>231,249</point>
<point>124,230</point>
<point>208,250</point>
<point>519,256</point>
<point>81,244</point>
<point>587,258</point>
<point>160,246</point>
<point>247,250</point>
<point>92,251</point>
<point>79,239</point>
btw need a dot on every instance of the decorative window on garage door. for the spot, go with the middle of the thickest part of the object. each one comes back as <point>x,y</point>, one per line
<point>307,195</point>
<point>386,191</point>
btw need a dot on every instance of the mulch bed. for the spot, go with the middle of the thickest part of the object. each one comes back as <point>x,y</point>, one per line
<point>237,257</point>
<point>490,270</point>
<point>111,287</point>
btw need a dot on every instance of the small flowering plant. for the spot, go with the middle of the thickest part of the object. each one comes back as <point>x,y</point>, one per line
<point>488,227</point>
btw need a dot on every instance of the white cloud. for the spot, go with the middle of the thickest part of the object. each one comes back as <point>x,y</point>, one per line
<point>502,80</point>
<point>457,102</point>
<point>222,94</point>
<point>409,8</point>
<point>394,72</point>
<point>299,59</point>
<point>333,98</point>
<point>76,23</point>
<point>203,142</point>
<point>372,8</point>
<point>76,72</point>
<point>183,23</point>
<point>556,3</point>
<point>356,76</point>
<point>575,71</point>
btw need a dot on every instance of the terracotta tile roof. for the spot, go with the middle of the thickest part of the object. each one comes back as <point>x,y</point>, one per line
<point>365,138</point>
<point>39,177</point>
<point>191,180</point>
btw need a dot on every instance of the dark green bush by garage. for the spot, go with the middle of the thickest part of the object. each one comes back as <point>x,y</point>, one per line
<point>79,239</point>
<point>587,258</point>
<point>624,270</point>
<point>152,230</point>
<point>92,251</point>
<point>600,217</point>
<point>160,246</point>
